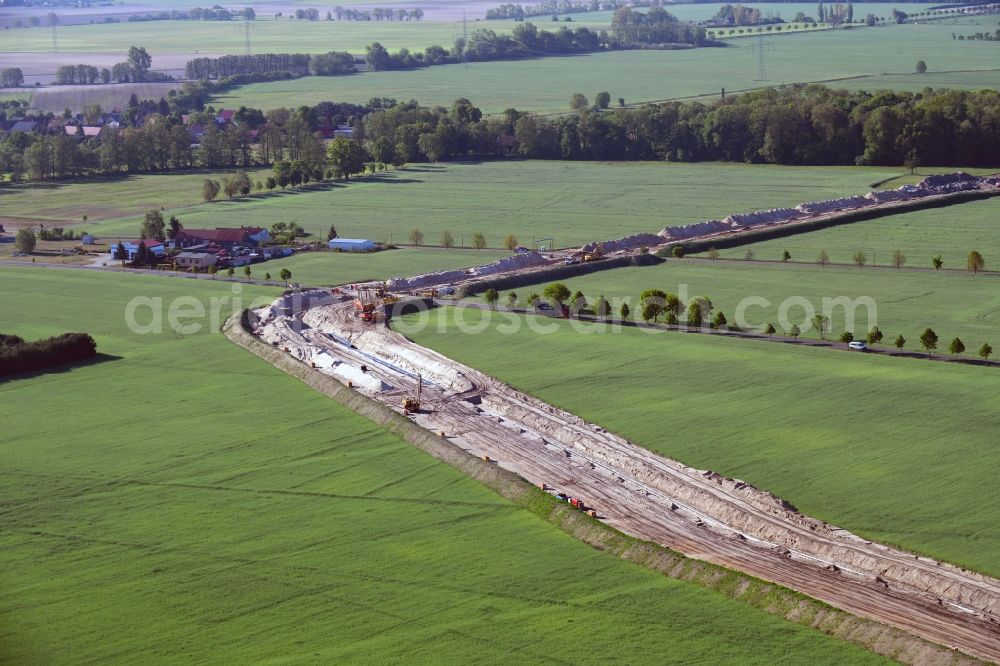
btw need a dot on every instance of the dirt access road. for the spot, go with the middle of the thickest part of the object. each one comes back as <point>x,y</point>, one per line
<point>699,513</point>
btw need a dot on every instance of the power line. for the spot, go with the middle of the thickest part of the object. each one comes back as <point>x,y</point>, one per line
<point>761,47</point>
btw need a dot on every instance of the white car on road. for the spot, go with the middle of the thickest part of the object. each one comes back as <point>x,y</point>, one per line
<point>857,345</point>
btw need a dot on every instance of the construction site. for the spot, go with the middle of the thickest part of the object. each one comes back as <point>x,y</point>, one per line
<point>345,334</point>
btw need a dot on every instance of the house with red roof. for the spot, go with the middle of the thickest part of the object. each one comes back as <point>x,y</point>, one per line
<point>223,237</point>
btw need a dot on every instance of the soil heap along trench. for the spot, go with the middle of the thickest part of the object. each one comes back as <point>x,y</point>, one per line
<point>699,513</point>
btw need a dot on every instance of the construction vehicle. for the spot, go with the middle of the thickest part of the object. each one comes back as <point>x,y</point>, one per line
<point>366,306</point>
<point>382,292</point>
<point>593,255</point>
<point>429,293</point>
<point>412,404</point>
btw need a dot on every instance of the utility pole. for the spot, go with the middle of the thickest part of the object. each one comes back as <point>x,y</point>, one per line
<point>465,40</point>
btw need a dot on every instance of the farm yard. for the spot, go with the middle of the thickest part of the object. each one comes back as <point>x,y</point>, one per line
<point>847,438</point>
<point>293,522</point>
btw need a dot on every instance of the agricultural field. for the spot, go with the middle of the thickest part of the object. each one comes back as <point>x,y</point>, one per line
<point>336,268</point>
<point>898,450</point>
<point>949,232</point>
<point>546,85</point>
<point>572,202</point>
<point>211,508</point>
<point>905,302</point>
<point>60,203</point>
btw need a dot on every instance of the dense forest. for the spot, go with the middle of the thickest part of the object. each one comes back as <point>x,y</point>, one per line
<point>804,125</point>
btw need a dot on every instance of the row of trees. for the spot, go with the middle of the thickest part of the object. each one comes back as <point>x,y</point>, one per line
<point>11,77</point>
<point>519,12</point>
<point>264,63</point>
<point>795,125</point>
<point>975,262</point>
<point>18,356</point>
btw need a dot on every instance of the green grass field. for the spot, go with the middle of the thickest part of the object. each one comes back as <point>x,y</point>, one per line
<point>546,85</point>
<point>905,302</point>
<point>185,502</point>
<point>899,450</point>
<point>574,202</point>
<point>54,203</point>
<point>950,232</point>
<point>335,268</point>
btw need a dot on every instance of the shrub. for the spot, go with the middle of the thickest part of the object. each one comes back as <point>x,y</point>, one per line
<point>18,356</point>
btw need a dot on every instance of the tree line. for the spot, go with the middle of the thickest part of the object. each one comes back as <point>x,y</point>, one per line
<point>519,12</point>
<point>18,356</point>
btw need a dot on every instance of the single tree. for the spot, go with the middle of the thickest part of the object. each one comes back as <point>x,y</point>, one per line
<point>285,275</point>
<point>153,226</point>
<point>120,253</point>
<point>713,254</point>
<point>748,255</point>
<point>511,300</point>
<point>602,100</point>
<point>578,303</point>
<point>624,312</point>
<point>874,336</point>
<point>602,308</point>
<point>794,331</point>
<point>212,270</point>
<point>557,292</point>
<point>332,233</point>
<point>975,262</point>
<point>824,258</point>
<point>653,303</point>
<point>898,259</point>
<point>769,331</point>
<point>267,277</point>
<point>231,272</point>
<point>785,256</point>
<point>533,300</point>
<point>936,262</point>
<point>985,351</point>
<point>510,242</point>
<point>209,189</point>
<point>25,240</point>
<point>921,67</point>
<point>173,227</point>
<point>928,340</point>
<point>478,241</point>
<point>956,347</point>
<point>270,183</point>
<point>900,342</point>
<point>246,271</point>
<point>650,311</point>
<point>677,251</point>
<point>492,296</point>
<point>846,337</point>
<point>719,321</point>
<point>859,258</point>
<point>699,311</point>
<point>447,240</point>
<point>416,237</point>
<point>821,323</point>
<point>578,101</point>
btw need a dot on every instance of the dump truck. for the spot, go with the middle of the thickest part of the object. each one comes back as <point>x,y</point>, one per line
<point>366,306</point>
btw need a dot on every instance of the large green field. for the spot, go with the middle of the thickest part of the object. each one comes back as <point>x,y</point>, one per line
<point>950,232</point>
<point>574,202</point>
<point>546,85</point>
<point>903,302</point>
<point>900,450</point>
<point>185,502</point>
<point>335,268</point>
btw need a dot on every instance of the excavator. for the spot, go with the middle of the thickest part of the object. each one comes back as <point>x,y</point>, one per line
<point>412,404</point>
<point>366,306</point>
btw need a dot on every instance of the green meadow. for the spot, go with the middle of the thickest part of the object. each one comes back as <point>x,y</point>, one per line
<point>572,202</point>
<point>950,232</point>
<point>182,501</point>
<point>545,85</point>
<point>902,302</point>
<point>899,450</point>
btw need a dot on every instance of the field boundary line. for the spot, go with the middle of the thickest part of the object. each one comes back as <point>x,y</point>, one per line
<point>772,598</point>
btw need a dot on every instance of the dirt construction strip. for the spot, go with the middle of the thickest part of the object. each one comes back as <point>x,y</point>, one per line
<point>699,513</point>
<point>791,606</point>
